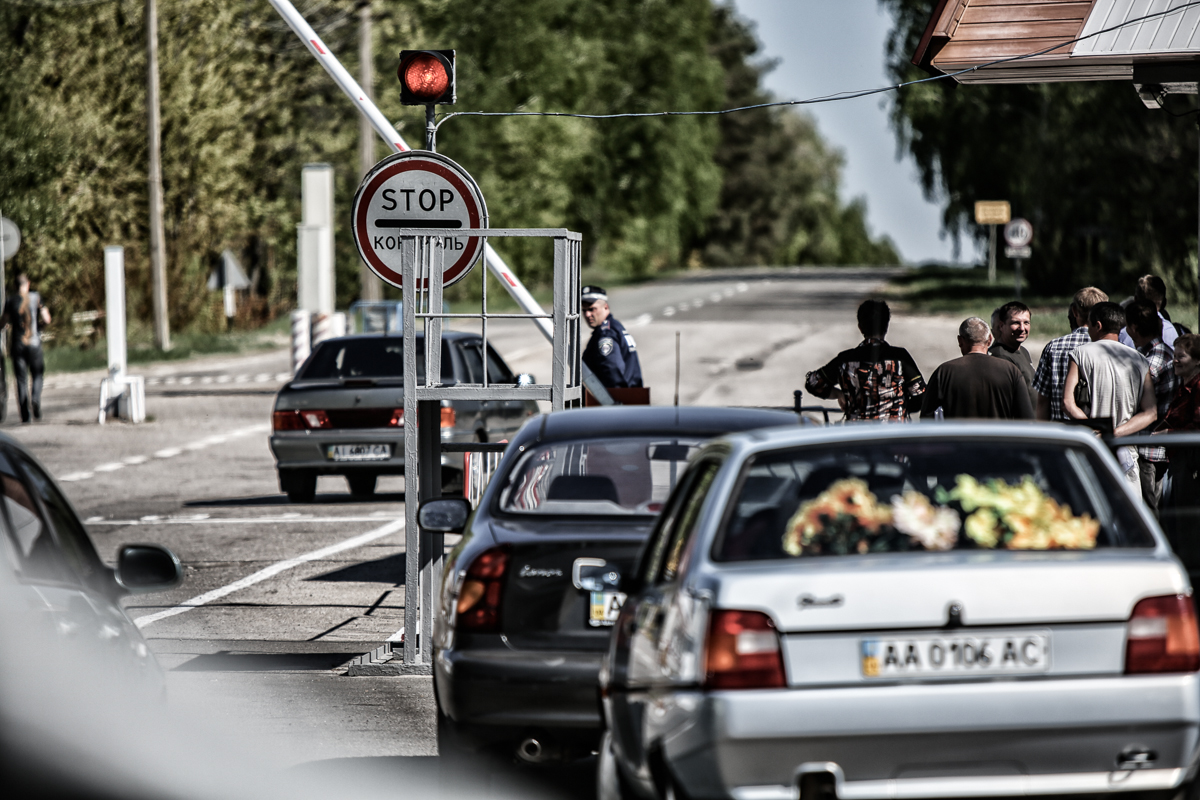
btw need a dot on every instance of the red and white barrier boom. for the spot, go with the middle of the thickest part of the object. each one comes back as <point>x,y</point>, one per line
<point>345,81</point>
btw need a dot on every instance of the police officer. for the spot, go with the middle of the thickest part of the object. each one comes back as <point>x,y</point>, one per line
<point>611,352</point>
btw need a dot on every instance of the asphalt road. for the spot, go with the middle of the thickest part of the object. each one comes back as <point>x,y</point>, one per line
<point>293,592</point>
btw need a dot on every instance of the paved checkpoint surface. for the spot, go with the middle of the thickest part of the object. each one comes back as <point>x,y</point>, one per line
<point>291,593</point>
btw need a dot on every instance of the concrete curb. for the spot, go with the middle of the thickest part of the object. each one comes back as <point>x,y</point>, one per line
<point>382,662</point>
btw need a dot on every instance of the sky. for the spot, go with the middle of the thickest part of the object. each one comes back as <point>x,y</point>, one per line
<point>825,46</point>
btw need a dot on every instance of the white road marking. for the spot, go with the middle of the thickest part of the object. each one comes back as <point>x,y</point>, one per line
<point>169,452</point>
<point>283,376</point>
<point>207,379</point>
<point>224,378</point>
<point>684,307</point>
<point>271,572</point>
<point>644,319</point>
<point>729,291</point>
<point>716,297</point>
<point>742,287</point>
<point>186,380</point>
<point>669,311</point>
<point>262,377</point>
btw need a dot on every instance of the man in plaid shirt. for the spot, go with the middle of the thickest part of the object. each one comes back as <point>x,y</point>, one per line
<point>1051,375</point>
<point>1145,329</point>
<point>874,380</point>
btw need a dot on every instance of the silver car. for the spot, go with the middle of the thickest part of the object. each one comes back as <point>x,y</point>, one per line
<point>343,412</point>
<point>935,610</point>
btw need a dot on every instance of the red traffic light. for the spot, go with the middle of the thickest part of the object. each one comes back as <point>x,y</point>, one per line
<point>426,77</point>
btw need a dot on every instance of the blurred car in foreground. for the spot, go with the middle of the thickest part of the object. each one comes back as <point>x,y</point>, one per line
<point>531,591</point>
<point>950,610</point>
<point>47,558</point>
<point>343,412</point>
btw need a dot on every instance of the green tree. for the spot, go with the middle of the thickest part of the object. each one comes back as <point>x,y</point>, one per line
<point>1109,185</point>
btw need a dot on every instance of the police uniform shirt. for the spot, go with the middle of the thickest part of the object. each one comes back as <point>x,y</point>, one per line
<point>612,354</point>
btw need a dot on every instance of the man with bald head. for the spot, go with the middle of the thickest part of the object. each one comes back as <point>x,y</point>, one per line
<point>976,386</point>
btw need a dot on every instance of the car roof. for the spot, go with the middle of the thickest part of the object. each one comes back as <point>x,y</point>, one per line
<point>704,421</point>
<point>866,432</point>
<point>449,335</point>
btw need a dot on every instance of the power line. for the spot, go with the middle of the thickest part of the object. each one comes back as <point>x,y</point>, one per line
<point>829,98</point>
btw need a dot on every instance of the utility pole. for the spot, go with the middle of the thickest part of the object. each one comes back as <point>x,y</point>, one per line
<point>158,248</point>
<point>371,288</point>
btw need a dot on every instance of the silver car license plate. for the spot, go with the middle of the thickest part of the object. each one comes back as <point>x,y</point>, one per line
<point>360,452</point>
<point>983,653</point>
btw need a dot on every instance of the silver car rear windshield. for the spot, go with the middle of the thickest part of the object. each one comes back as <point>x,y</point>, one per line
<point>614,477</point>
<point>381,357</point>
<point>916,496</point>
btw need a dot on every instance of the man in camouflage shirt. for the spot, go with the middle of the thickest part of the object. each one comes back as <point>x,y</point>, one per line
<point>874,380</point>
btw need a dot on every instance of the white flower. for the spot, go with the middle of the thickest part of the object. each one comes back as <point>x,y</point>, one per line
<point>933,528</point>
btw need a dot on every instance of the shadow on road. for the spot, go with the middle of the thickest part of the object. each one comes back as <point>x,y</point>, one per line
<point>226,661</point>
<point>433,777</point>
<point>282,500</point>
<point>381,570</point>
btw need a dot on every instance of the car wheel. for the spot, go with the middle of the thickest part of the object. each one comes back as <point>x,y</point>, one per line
<point>299,485</point>
<point>362,485</point>
<point>610,783</point>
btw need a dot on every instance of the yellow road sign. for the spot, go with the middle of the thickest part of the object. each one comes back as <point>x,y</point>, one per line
<point>992,212</point>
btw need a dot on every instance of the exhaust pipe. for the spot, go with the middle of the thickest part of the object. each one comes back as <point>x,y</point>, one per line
<point>531,751</point>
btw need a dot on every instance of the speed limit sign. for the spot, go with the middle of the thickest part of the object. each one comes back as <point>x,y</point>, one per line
<point>1018,233</point>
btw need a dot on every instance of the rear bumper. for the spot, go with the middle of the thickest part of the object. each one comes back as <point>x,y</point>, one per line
<point>520,688</point>
<point>1003,738</point>
<point>309,450</point>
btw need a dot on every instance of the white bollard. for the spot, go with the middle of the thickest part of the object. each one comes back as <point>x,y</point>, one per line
<point>301,339</point>
<point>337,324</point>
<point>114,313</point>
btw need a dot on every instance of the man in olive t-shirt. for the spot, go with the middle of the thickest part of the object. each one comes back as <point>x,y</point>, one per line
<point>976,386</point>
<point>1012,329</point>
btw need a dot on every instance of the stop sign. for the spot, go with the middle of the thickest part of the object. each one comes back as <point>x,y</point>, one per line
<point>417,189</point>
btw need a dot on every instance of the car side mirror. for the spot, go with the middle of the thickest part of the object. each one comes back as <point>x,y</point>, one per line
<point>145,568</point>
<point>445,514</point>
<point>525,379</point>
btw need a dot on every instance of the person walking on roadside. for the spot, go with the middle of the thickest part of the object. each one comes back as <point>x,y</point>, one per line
<point>1051,374</point>
<point>1011,329</point>
<point>611,353</point>
<point>1117,381</point>
<point>874,381</point>
<point>976,386</point>
<point>26,314</point>
<point>1142,325</point>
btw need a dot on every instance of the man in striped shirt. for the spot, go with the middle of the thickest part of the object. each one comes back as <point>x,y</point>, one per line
<point>1051,375</point>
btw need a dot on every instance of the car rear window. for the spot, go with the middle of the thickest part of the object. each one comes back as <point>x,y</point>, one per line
<point>381,357</point>
<point>617,476</point>
<point>915,496</point>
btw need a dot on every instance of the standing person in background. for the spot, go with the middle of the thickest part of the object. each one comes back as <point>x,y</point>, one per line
<point>26,314</point>
<point>1179,512</point>
<point>1152,288</point>
<point>611,353</point>
<point>1142,325</point>
<point>1010,326</point>
<point>1052,369</point>
<point>1117,380</point>
<point>976,386</point>
<point>1184,411</point>
<point>874,380</point>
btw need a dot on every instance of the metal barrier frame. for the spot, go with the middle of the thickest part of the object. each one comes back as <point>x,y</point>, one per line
<point>423,254</point>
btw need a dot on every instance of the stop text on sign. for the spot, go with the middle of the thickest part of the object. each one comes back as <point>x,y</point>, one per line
<point>417,189</point>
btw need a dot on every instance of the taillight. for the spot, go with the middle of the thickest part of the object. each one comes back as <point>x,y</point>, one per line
<point>397,420</point>
<point>287,421</point>
<point>316,419</point>
<point>1162,636</point>
<point>479,597</point>
<point>448,416</point>
<point>743,652</point>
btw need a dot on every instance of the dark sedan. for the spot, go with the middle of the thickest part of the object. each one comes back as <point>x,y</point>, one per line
<point>532,590</point>
<point>342,414</point>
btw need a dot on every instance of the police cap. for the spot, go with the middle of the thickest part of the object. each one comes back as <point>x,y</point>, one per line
<point>592,294</point>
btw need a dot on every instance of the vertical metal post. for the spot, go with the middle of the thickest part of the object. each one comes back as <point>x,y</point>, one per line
<point>412,534</point>
<point>370,287</point>
<point>559,343</point>
<point>992,255</point>
<point>1017,270</point>
<point>430,129</point>
<point>429,433</point>
<point>158,247</point>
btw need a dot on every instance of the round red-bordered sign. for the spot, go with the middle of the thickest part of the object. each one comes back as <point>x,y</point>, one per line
<point>417,189</point>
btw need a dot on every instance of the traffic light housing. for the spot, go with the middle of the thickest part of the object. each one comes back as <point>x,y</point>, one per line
<point>426,77</point>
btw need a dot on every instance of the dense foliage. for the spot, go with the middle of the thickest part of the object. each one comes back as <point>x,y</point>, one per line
<point>244,107</point>
<point>1109,185</point>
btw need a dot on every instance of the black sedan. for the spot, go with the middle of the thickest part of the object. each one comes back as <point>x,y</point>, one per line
<point>532,590</point>
<point>342,414</point>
